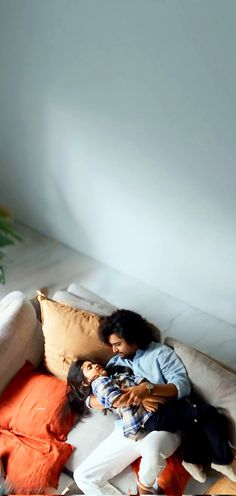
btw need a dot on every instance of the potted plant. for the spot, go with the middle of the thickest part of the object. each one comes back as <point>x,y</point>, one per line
<point>8,235</point>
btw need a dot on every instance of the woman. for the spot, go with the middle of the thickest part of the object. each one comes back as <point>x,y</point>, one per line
<point>117,452</point>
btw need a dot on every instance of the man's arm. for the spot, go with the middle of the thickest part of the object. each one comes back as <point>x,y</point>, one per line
<point>167,390</point>
<point>136,394</point>
<point>177,385</point>
<point>173,372</point>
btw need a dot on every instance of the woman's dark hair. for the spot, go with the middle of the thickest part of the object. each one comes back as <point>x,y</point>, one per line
<point>128,325</point>
<point>78,391</point>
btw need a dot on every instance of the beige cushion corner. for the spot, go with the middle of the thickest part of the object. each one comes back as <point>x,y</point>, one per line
<point>211,381</point>
<point>70,333</point>
<point>17,328</point>
<point>78,290</point>
<point>87,302</point>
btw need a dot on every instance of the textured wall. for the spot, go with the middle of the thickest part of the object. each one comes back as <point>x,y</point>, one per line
<point>117,136</point>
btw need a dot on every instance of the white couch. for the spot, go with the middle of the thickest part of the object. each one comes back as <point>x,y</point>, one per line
<point>21,339</point>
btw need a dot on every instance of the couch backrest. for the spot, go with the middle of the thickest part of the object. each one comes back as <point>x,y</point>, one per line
<point>21,336</point>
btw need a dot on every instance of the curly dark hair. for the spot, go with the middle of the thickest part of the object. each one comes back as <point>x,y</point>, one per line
<point>128,325</point>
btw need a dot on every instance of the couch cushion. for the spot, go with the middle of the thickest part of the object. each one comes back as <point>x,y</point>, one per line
<point>211,381</point>
<point>87,303</point>
<point>78,290</point>
<point>70,333</point>
<point>35,405</point>
<point>86,436</point>
<point>32,466</point>
<point>34,422</point>
<point>20,336</point>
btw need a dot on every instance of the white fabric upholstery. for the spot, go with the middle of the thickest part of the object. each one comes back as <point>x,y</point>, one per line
<point>86,436</point>
<point>213,382</point>
<point>98,426</point>
<point>86,294</point>
<point>20,338</point>
<point>88,303</point>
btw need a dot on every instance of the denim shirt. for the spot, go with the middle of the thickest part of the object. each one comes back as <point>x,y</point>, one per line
<point>159,364</point>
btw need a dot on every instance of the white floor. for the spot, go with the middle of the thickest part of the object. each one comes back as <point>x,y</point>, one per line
<point>40,261</point>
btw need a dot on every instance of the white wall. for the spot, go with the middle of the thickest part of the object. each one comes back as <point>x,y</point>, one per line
<point>117,136</point>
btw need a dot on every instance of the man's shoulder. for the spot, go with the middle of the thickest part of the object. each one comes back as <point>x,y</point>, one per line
<point>154,350</point>
<point>117,360</point>
<point>153,347</point>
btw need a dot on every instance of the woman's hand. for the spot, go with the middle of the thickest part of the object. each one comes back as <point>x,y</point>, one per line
<point>94,403</point>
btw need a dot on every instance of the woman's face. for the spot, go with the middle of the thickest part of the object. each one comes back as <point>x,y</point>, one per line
<point>92,370</point>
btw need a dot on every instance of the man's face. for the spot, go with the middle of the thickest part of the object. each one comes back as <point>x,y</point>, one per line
<point>121,347</point>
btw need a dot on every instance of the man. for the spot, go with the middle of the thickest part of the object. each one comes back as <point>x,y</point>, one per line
<point>131,339</point>
<point>204,437</point>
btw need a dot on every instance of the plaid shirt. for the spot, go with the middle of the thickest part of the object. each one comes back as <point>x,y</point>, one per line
<point>107,390</point>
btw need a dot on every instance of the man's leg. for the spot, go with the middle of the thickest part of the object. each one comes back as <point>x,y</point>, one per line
<point>154,449</point>
<point>109,459</point>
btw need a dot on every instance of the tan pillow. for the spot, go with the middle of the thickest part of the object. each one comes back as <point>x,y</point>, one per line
<point>211,381</point>
<point>69,333</point>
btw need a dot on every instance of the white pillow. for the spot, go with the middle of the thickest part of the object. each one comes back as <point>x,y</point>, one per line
<point>89,302</point>
<point>20,338</point>
<point>86,294</point>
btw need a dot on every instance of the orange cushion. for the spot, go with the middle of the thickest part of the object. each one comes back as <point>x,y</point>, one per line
<point>173,478</point>
<point>31,465</point>
<point>70,333</point>
<point>32,405</point>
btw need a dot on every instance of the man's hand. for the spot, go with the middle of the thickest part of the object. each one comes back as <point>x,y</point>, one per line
<point>152,403</point>
<point>134,395</point>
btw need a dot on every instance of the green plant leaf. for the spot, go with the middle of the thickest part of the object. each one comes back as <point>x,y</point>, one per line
<point>8,235</point>
<point>2,276</point>
<point>7,227</point>
<point>5,240</point>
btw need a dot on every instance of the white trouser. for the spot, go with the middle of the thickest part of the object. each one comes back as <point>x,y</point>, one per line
<point>117,452</point>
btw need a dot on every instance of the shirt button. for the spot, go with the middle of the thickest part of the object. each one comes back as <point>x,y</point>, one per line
<point>195,420</point>
<point>194,406</point>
